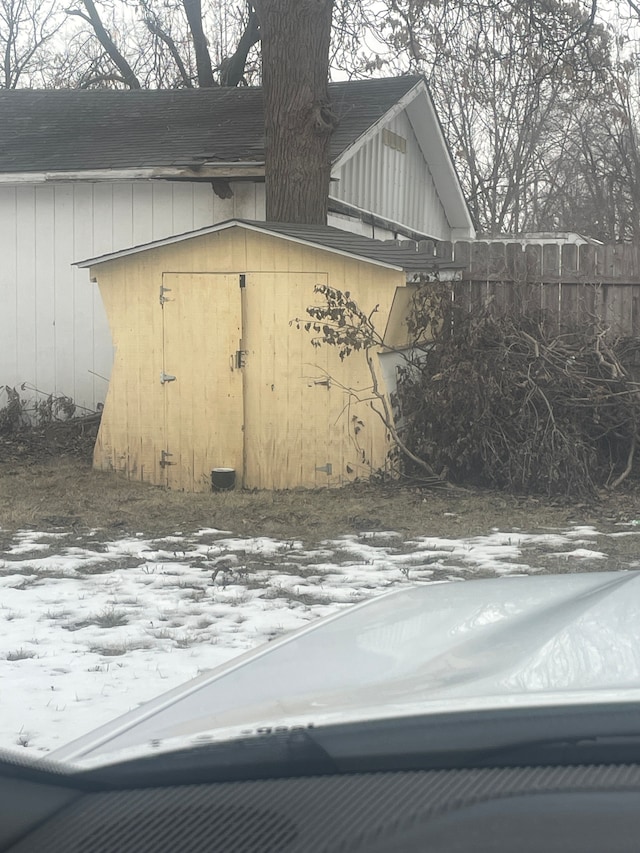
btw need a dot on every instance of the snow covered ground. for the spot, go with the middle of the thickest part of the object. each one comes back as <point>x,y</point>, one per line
<point>91,628</point>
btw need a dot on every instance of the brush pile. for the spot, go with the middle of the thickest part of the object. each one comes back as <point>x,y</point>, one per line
<point>504,401</point>
<point>41,429</point>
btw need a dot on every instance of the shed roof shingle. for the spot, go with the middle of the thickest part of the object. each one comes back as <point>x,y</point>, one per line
<point>75,130</point>
<point>404,254</point>
<point>400,255</point>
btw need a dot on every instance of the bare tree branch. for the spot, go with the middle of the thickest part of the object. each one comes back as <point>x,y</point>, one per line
<point>152,22</point>
<point>92,16</point>
<point>193,11</point>
<point>232,69</point>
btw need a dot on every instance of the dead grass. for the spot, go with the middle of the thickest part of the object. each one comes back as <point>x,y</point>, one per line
<point>20,654</point>
<point>118,649</point>
<point>66,493</point>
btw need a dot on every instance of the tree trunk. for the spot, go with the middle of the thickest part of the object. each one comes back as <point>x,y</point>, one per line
<point>298,117</point>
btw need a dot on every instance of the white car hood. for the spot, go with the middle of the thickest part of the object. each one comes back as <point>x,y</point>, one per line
<point>544,639</point>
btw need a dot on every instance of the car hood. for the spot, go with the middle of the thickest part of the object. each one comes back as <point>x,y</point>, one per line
<point>543,639</point>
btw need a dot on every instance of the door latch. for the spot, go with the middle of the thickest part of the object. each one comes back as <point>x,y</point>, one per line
<point>166,377</point>
<point>164,461</point>
<point>164,298</point>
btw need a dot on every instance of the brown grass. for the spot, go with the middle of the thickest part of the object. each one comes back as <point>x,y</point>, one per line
<point>66,493</point>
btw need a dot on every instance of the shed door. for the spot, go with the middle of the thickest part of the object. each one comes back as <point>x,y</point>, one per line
<point>293,434</point>
<point>203,411</point>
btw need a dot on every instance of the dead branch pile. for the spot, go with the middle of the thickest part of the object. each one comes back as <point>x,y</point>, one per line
<point>504,402</point>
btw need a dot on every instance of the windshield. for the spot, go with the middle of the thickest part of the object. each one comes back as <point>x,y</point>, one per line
<point>294,336</point>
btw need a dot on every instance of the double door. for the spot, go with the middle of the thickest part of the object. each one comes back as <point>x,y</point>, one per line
<point>243,387</point>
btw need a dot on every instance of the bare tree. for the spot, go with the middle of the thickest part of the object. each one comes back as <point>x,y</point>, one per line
<point>597,187</point>
<point>506,77</point>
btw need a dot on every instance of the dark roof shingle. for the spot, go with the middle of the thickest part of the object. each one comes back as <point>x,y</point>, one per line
<point>407,256</point>
<point>399,254</point>
<point>74,130</point>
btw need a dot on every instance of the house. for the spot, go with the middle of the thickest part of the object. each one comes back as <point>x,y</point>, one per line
<point>88,172</point>
<point>212,371</point>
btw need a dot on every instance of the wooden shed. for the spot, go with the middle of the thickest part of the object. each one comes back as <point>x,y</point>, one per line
<point>211,372</point>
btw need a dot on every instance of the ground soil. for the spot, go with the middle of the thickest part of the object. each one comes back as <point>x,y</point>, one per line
<point>46,482</point>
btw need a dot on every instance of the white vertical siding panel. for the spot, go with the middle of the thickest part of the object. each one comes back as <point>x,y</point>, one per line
<point>105,215</point>
<point>162,209</point>
<point>26,361</point>
<point>122,225</point>
<point>347,182</point>
<point>369,182</point>
<point>102,219</point>
<point>359,178</point>
<point>182,207</point>
<point>83,341</point>
<point>63,318</point>
<point>142,213</point>
<point>261,201</point>
<point>223,207</point>
<point>375,180</point>
<point>392,166</point>
<point>202,206</point>
<point>8,285</point>
<point>401,179</point>
<point>247,204</point>
<point>363,178</point>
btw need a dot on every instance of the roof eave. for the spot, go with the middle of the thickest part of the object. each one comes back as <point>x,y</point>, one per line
<point>206,172</point>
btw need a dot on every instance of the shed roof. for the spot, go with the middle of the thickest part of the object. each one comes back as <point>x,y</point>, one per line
<point>75,130</point>
<point>406,256</point>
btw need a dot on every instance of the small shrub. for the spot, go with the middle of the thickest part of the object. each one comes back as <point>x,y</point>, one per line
<point>13,416</point>
<point>110,618</point>
<point>54,408</point>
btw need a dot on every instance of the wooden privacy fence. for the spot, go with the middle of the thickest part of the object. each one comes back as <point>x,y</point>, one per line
<point>573,285</point>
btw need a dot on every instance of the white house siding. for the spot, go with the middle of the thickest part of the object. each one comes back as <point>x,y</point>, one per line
<point>53,331</point>
<point>405,192</point>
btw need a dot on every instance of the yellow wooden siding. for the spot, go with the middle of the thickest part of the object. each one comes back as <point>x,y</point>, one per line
<point>292,429</point>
